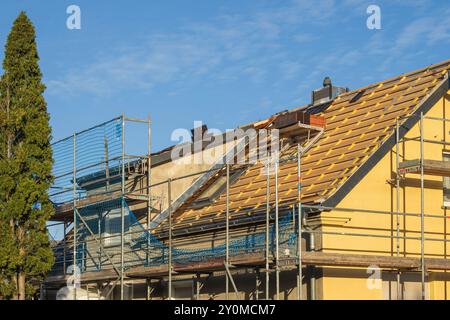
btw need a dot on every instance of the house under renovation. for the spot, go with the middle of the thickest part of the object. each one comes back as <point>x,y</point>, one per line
<point>353,205</point>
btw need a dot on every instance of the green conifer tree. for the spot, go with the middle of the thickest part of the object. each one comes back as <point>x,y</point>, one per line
<point>25,166</point>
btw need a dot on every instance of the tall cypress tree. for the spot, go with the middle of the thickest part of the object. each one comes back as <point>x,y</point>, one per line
<point>25,166</point>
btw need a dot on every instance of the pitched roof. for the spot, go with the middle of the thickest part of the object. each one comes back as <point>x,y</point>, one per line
<point>358,123</point>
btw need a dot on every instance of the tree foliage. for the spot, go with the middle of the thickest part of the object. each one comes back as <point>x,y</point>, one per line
<point>25,165</point>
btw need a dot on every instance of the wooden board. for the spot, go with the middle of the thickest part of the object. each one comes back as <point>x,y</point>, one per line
<point>258,260</point>
<point>430,167</point>
<point>65,210</point>
<point>103,275</point>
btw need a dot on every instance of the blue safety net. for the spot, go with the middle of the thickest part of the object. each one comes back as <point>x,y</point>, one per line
<point>94,150</point>
<point>99,230</point>
<point>101,223</point>
<point>254,242</point>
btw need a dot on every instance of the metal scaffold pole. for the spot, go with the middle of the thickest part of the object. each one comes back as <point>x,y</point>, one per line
<point>258,283</point>
<point>149,197</point>
<point>397,177</point>
<point>197,286</point>
<point>422,207</point>
<point>267,226</point>
<point>299,225</point>
<point>277,242</point>
<point>75,213</point>
<point>169,197</point>
<point>148,284</point>
<point>65,246</point>
<point>122,213</point>
<point>227,231</point>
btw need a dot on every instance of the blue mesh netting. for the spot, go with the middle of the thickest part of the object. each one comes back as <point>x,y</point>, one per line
<point>143,249</point>
<point>246,244</point>
<point>93,148</point>
<point>104,220</point>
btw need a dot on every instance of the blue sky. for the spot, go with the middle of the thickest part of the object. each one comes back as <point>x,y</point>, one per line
<point>225,63</point>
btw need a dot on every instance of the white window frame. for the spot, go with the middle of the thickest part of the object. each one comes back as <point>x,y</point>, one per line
<point>111,239</point>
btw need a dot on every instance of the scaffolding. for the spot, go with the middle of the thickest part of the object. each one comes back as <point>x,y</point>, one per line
<point>90,191</point>
<point>275,245</point>
<point>421,166</point>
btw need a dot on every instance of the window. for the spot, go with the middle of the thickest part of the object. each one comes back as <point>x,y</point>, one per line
<point>182,290</point>
<point>113,227</point>
<point>446,182</point>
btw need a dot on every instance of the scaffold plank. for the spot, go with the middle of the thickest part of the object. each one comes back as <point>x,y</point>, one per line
<point>430,167</point>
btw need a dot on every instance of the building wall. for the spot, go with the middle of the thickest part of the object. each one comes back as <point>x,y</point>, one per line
<point>375,192</point>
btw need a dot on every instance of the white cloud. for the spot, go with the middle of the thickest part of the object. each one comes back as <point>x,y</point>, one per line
<point>400,46</point>
<point>224,47</point>
<point>251,47</point>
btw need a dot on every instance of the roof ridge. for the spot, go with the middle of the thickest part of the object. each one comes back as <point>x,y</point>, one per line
<point>423,69</point>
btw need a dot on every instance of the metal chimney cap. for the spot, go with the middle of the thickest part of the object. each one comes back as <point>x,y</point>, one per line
<point>327,82</point>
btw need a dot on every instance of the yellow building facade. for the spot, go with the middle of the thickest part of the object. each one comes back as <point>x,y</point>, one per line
<point>375,233</point>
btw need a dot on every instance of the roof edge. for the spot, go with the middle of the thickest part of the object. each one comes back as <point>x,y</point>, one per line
<point>405,74</point>
<point>424,106</point>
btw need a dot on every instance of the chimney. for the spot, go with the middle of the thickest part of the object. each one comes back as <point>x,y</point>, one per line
<point>198,132</point>
<point>327,93</point>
